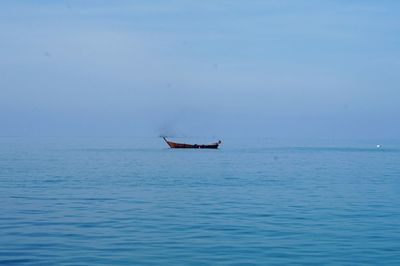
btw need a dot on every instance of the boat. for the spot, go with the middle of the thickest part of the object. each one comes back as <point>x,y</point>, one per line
<point>174,145</point>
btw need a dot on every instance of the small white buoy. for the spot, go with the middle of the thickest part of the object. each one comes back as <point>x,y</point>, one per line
<point>378,145</point>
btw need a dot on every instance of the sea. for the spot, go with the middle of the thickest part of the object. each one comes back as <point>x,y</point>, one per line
<point>255,201</point>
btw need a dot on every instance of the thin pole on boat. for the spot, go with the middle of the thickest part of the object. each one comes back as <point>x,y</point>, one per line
<point>166,141</point>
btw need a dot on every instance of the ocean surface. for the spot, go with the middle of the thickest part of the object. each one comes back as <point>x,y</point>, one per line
<point>133,201</point>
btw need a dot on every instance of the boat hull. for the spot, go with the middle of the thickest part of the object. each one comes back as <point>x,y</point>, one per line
<point>174,145</point>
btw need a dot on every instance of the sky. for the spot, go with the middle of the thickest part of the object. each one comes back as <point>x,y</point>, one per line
<point>246,68</point>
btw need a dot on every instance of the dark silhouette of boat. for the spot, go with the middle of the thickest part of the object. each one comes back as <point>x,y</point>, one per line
<point>174,145</point>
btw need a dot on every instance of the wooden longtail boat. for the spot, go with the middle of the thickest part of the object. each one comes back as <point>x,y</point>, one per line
<point>174,145</point>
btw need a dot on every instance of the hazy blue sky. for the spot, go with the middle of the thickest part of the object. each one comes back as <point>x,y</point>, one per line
<point>207,68</point>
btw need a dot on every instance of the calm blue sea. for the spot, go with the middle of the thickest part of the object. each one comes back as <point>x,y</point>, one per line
<point>132,201</point>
